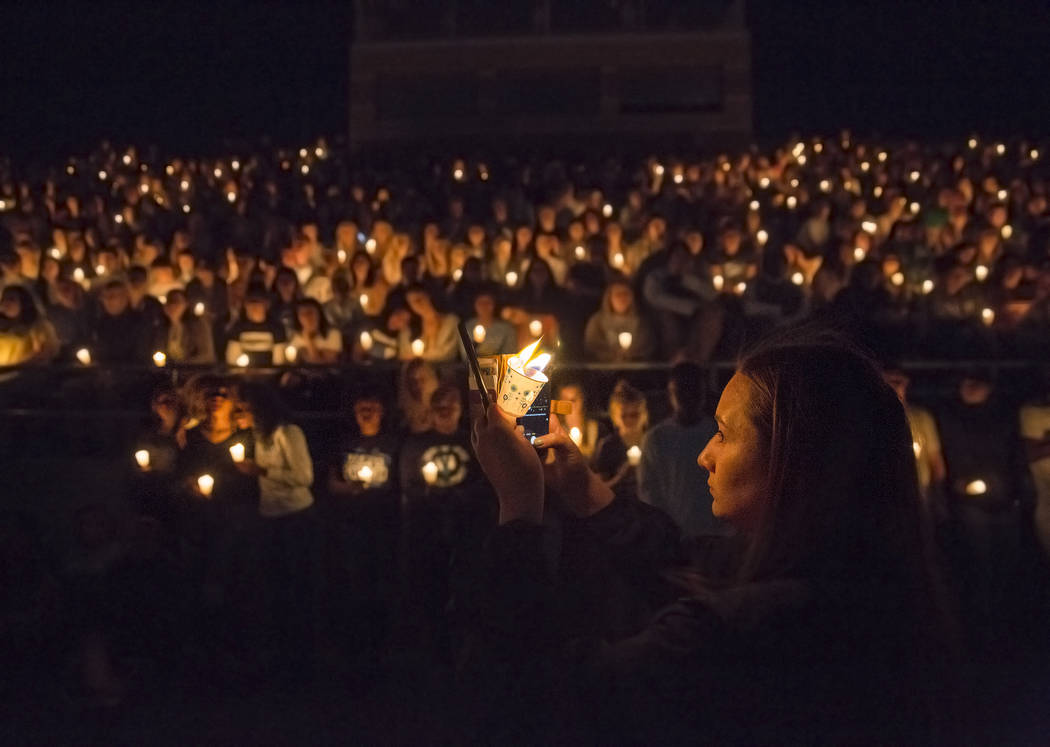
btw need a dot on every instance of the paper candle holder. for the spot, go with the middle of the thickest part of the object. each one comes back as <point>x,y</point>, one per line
<point>517,391</point>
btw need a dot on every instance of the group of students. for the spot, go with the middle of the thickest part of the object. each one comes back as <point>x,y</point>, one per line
<point>310,257</point>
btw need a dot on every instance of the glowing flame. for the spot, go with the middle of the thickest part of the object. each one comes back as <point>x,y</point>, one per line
<point>537,364</point>
<point>526,352</point>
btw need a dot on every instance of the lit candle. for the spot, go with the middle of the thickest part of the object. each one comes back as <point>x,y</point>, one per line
<point>678,178</point>
<point>625,339</point>
<point>366,341</point>
<point>205,483</point>
<point>364,300</point>
<point>184,185</point>
<point>302,152</point>
<point>739,288</point>
<point>142,458</point>
<point>237,452</point>
<point>927,286</point>
<point>231,196</point>
<point>186,208</point>
<point>825,185</point>
<point>1000,148</point>
<point>792,202</point>
<point>84,356</point>
<point>370,246</point>
<point>897,278</point>
<point>798,278</point>
<point>858,253</point>
<point>980,272</point>
<point>535,328</point>
<point>914,207</point>
<point>341,256</point>
<point>762,236</point>
<point>915,175</point>
<point>126,159</point>
<point>617,260</point>
<point>869,226</point>
<point>457,174</point>
<point>430,473</point>
<point>159,359</point>
<point>658,169</point>
<point>523,380</point>
<point>754,206</point>
<point>162,299</point>
<point>479,334</point>
<point>365,474</point>
<point>580,252</point>
<point>801,160</point>
<point>418,347</point>
<point>865,166</point>
<point>102,175</point>
<point>457,274</point>
<point>512,278</point>
<point>217,172</point>
<point>576,435</point>
<point>319,151</point>
<point>55,253</point>
<point>718,282</point>
<point>634,456</point>
<point>976,487</point>
<point>100,270</point>
<point>78,275</point>
<point>877,191</point>
<point>987,316</point>
<point>1007,231</point>
<point>304,169</point>
<point>243,360</point>
<point>972,142</point>
<point>235,164</point>
<point>883,155</point>
<point>607,210</point>
<point>764,182</point>
<point>1001,194</point>
<point>198,308</point>
<point>794,183</point>
<point>291,353</point>
<point>1033,154</point>
<point>917,448</point>
<point>118,218</point>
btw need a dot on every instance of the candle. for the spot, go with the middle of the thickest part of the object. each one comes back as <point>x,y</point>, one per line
<point>762,236</point>
<point>102,175</point>
<point>163,299</point>
<point>430,473</point>
<point>634,456</point>
<point>987,316</point>
<point>512,278</point>
<point>617,260</point>
<point>84,356</point>
<point>917,448</point>
<point>144,188</point>
<point>980,272</point>
<point>897,278</point>
<point>825,185</point>
<point>792,202</point>
<point>365,474</point>
<point>237,452</point>
<point>865,166</point>
<point>159,359</point>
<point>754,205</point>
<point>607,210</point>
<point>678,178</point>
<point>341,256</point>
<point>235,164</point>
<point>1007,231</point>
<point>877,191</point>
<point>658,169</point>
<point>976,487</point>
<point>418,347</point>
<point>231,196</point>
<point>198,308</point>
<point>739,288</point>
<point>184,185</point>
<point>858,253</point>
<point>576,435</point>
<point>243,360</point>
<point>186,208</point>
<point>118,218</point>
<point>1033,154</point>
<point>927,286</point>
<point>205,483</point>
<point>580,252</point>
<point>798,278</point>
<point>100,270</point>
<point>764,182</point>
<point>915,175</point>
<point>126,159</point>
<point>869,226</point>
<point>914,207</point>
<point>523,380</point>
<point>535,328</point>
<point>1001,194</point>
<point>801,160</point>
<point>1000,148</point>
<point>370,246</point>
<point>457,274</point>
<point>291,353</point>
<point>625,339</point>
<point>302,152</point>
<point>718,282</point>
<point>366,341</point>
<point>78,275</point>
<point>479,334</point>
<point>304,169</point>
<point>54,252</point>
<point>972,142</point>
<point>364,300</point>
<point>142,458</point>
<point>457,174</point>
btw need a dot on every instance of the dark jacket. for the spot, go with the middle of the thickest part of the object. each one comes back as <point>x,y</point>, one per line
<point>564,649</point>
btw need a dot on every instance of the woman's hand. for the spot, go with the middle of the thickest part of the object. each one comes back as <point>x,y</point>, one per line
<point>511,465</point>
<point>566,472</point>
<point>249,467</point>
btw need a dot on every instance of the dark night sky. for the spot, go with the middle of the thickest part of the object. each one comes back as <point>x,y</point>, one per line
<point>190,74</point>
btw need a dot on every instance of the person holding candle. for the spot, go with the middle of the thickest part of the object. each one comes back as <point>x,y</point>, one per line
<point>823,620</point>
<point>283,467</point>
<point>926,446</point>
<point>583,430</point>
<point>436,330</point>
<point>618,322</point>
<point>26,336</point>
<point>313,338</point>
<point>491,335</point>
<point>629,414</point>
<point>257,335</point>
<point>183,336</point>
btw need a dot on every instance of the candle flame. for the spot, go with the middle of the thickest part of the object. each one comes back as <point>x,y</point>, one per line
<point>539,363</point>
<point>526,353</point>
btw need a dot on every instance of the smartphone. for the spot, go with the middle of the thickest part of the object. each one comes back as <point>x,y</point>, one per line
<point>537,421</point>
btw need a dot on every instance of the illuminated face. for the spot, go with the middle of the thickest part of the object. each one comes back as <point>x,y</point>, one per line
<point>308,317</point>
<point>115,301</point>
<point>419,302</point>
<point>735,458</point>
<point>627,418</point>
<point>10,305</point>
<point>446,412</point>
<point>620,299</point>
<point>369,415</point>
<point>255,310</point>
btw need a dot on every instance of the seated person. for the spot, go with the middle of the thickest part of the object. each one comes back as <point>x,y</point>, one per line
<point>257,337</point>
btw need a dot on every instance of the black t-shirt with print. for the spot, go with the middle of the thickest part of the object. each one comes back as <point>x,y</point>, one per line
<point>257,340</point>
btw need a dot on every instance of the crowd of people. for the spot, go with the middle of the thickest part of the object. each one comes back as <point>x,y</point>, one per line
<point>309,257</point>
<point>258,545</point>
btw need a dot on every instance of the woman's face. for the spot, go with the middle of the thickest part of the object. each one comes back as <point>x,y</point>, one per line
<point>620,298</point>
<point>735,458</point>
<point>308,318</point>
<point>627,418</point>
<point>242,415</point>
<point>217,401</point>
<point>286,287</point>
<point>419,302</point>
<point>10,305</point>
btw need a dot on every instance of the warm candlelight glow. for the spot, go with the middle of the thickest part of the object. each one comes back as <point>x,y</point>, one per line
<point>914,176</point>
<point>535,328</point>
<point>84,356</point>
<point>764,182</point>
<point>205,483</point>
<point>430,473</point>
<point>370,246</point>
<point>972,142</point>
<point>987,316</point>
<point>917,448</point>
<point>897,278</point>
<point>618,260</point>
<point>479,334</point>
<point>580,252</point>
<point>658,169</point>
<point>1000,148</point>
<point>858,253</point>
<point>718,282</point>
<point>231,196</point>
<point>576,435</point>
<point>792,202</point>
<point>915,208</point>
<point>754,206</point>
<point>198,308</point>
<point>927,286</point>
<point>142,458</point>
<point>762,236</point>
<point>184,185</point>
<point>243,360</point>
<point>100,270</point>
<point>678,178</point>
<point>798,278</point>
<point>291,353</point>
<point>418,347</point>
<point>512,278</point>
<point>365,474</point>
<point>634,456</point>
<point>78,275</point>
<point>607,210</point>
<point>366,341</point>
<point>865,166</point>
<point>457,275</point>
<point>1033,154</point>
<point>341,256</point>
<point>237,452</point>
<point>102,175</point>
<point>364,300</point>
<point>976,487</point>
<point>1007,231</point>
<point>825,185</point>
<point>739,288</point>
<point>625,339</point>
<point>159,359</point>
<point>869,226</point>
<point>980,272</point>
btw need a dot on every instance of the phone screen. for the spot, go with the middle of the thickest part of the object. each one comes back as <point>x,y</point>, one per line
<point>537,421</point>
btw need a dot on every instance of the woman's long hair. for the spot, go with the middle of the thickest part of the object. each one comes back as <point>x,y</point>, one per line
<point>843,506</point>
<point>268,409</point>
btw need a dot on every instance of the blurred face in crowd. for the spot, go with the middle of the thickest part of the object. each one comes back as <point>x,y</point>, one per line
<point>361,266</point>
<point>161,276</point>
<point>446,411</point>
<point>419,303</point>
<point>308,318</point>
<point>369,416</point>
<point>614,233</point>
<point>164,406</point>
<point>695,241</point>
<point>345,234</point>
<point>621,299</point>
<point>217,402</point>
<point>485,308</point>
<point>735,458</point>
<point>255,309</point>
<point>628,418</point>
<point>476,235</point>
<point>898,381</point>
<point>176,305</point>
<point>10,304</point>
<point>523,236</point>
<point>731,242</point>
<point>186,264</point>
<point>974,391</point>
<point>115,300</point>
<point>285,286</point>
<point>545,217</point>
<point>574,394</point>
<point>502,250</point>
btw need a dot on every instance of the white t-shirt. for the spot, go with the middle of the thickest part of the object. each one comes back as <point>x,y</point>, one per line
<point>289,469</point>
<point>332,341</point>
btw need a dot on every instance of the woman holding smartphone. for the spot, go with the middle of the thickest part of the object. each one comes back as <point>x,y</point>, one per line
<point>821,621</point>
